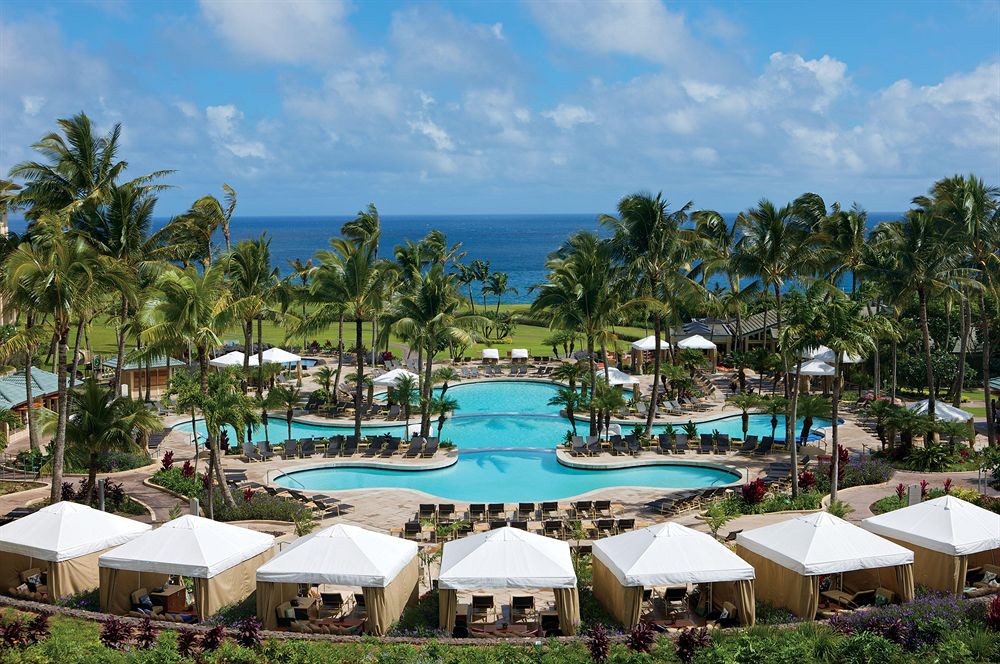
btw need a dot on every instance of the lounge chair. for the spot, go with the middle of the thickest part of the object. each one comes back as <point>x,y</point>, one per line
<point>520,524</point>
<point>413,451</point>
<point>749,445</point>
<point>250,452</point>
<point>391,447</point>
<point>583,507</point>
<point>618,446</point>
<point>602,507</point>
<point>624,525</point>
<point>681,443</point>
<point>264,450</point>
<point>549,509</point>
<point>350,446</point>
<point>374,447</point>
<point>666,444</point>
<point>446,512</point>
<point>525,511</point>
<point>427,511</point>
<point>333,447</point>
<point>765,446</point>
<point>722,445</point>
<point>498,523</point>
<point>496,511</point>
<point>522,607</point>
<point>412,530</point>
<point>706,444</point>
<point>605,527</point>
<point>430,449</point>
<point>482,607</point>
<point>553,528</point>
<point>308,448</point>
<point>394,412</point>
<point>634,447</point>
<point>477,512</point>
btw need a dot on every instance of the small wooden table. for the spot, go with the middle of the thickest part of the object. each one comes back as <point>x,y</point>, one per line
<point>512,629</point>
<point>173,599</point>
<point>838,596</point>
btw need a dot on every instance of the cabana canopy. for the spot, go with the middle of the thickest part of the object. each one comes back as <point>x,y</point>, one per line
<point>667,554</point>
<point>385,567</point>
<point>65,540</point>
<point>815,368</point>
<point>948,537</point>
<point>519,353</point>
<point>231,359</point>
<point>789,558</point>
<point>276,356</point>
<point>618,377</point>
<point>942,411</point>
<point>509,558</point>
<point>491,354</point>
<point>649,343</point>
<point>390,377</point>
<point>697,341</point>
<point>825,354</point>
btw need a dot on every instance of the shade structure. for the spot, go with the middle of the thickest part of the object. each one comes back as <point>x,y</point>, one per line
<point>519,353</point>
<point>948,537</point>
<point>942,411</point>
<point>815,368</point>
<point>391,377</point>
<point>509,558</point>
<point>789,558</point>
<point>491,354</point>
<point>825,354</point>
<point>221,558</point>
<point>667,554</point>
<point>65,540</point>
<point>230,359</point>
<point>697,341</point>
<point>386,568</point>
<point>649,343</point>
<point>619,377</point>
<point>277,356</point>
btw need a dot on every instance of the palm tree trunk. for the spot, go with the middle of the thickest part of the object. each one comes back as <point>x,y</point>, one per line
<point>984,321</point>
<point>428,391</point>
<point>593,382</point>
<point>895,347</point>
<point>33,441</point>
<point>360,356</point>
<point>76,355</point>
<point>784,357</point>
<point>59,451</point>
<point>340,360</point>
<point>835,411</point>
<point>651,413</point>
<point>121,346</point>
<point>260,357</point>
<point>790,423</point>
<point>928,361</point>
<point>956,388</point>
<point>247,344</point>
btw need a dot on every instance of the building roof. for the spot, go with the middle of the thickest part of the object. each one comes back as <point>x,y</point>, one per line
<point>12,392</point>
<point>154,363</point>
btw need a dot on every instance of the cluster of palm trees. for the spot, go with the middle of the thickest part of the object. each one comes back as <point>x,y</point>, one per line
<point>91,253</point>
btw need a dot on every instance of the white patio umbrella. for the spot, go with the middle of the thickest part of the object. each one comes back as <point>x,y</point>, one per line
<point>230,359</point>
<point>942,411</point>
<point>815,368</point>
<point>392,377</point>
<point>619,377</point>
<point>824,354</point>
<point>698,342</point>
<point>278,356</point>
<point>649,343</point>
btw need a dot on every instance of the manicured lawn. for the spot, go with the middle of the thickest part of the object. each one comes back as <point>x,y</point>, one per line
<point>14,487</point>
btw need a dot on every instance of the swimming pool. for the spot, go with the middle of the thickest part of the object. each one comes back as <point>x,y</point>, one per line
<point>507,476</point>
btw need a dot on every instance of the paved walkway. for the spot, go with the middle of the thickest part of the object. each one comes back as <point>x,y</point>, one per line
<point>861,497</point>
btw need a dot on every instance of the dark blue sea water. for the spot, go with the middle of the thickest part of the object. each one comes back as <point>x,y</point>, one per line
<point>515,244</point>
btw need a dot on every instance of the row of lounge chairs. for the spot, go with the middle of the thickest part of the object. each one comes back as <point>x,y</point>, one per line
<point>479,512</point>
<point>344,446</point>
<point>557,528</point>
<point>665,443</point>
<point>494,371</point>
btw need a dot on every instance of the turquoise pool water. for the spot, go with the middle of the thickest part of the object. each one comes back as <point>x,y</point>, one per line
<point>502,396</point>
<point>507,476</point>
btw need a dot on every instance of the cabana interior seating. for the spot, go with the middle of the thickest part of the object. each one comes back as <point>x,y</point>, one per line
<point>821,561</point>
<point>53,552</point>
<point>955,544</point>
<point>220,559</point>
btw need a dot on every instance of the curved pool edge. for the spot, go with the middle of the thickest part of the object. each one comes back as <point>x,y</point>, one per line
<point>564,458</point>
<point>446,461</point>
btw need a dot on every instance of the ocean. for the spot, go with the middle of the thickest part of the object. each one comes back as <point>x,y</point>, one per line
<point>515,244</point>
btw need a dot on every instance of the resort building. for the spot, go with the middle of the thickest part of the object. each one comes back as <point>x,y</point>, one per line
<point>150,378</point>
<point>44,391</point>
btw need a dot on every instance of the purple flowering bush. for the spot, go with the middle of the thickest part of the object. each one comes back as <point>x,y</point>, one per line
<point>857,472</point>
<point>919,624</point>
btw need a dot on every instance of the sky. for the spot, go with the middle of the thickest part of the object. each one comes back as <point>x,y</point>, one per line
<point>310,108</point>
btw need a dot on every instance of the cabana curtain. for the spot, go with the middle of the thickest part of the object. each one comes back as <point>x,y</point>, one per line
<point>117,586</point>
<point>781,586</point>
<point>624,603</point>
<point>269,597</point>
<point>385,605</point>
<point>229,587</point>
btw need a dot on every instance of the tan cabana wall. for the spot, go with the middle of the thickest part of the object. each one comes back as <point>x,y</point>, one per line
<point>898,579</point>
<point>66,577</point>
<point>567,606</point>
<point>740,594</point>
<point>269,597</point>
<point>780,586</point>
<point>117,586</point>
<point>623,603</point>
<point>944,572</point>
<point>385,605</point>
<point>229,587</point>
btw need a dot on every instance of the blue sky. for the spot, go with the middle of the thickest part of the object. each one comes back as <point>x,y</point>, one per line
<point>467,107</point>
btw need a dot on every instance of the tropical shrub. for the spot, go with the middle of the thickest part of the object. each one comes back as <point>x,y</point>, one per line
<point>690,641</point>
<point>930,458</point>
<point>598,644</point>
<point>753,492</point>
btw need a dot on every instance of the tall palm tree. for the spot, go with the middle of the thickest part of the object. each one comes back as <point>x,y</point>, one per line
<point>568,399</point>
<point>300,270</point>
<point>185,389</point>
<point>847,240</point>
<point>656,251</point>
<point>8,203</point>
<point>288,398</point>
<point>407,391</point>
<point>193,308</point>
<point>103,422</point>
<point>253,283</point>
<point>444,376</point>
<point>442,407</point>
<point>745,403</point>
<point>811,407</point>
<point>224,405</point>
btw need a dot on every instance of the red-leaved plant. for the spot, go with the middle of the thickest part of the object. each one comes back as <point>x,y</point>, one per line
<point>807,480</point>
<point>116,633</point>
<point>187,470</point>
<point>690,641</point>
<point>247,495</point>
<point>167,462</point>
<point>599,644</point>
<point>993,614</point>
<point>901,491</point>
<point>642,637</point>
<point>754,492</point>
<point>923,488</point>
<point>947,485</point>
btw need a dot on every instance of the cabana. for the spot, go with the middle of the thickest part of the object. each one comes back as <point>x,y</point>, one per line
<point>283,357</point>
<point>491,356</point>
<point>618,377</point>
<point>792,558</point>
<point>53,552</point>
<point>647,345</point>
<point>386,569</point>
<point>389,378</point>
<point>508,558</point>
<point>952,541</point>
<point>220,558</point>
<point>942,411</point>
<point>233,358</point>
<point>520,354</point>
<point>825,354</point>
<point>814,369</point>
<point>669,554</point>
<point>698,342</point>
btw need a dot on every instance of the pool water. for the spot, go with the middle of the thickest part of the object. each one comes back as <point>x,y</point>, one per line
<point>507,476</point>
<point>506,434</point>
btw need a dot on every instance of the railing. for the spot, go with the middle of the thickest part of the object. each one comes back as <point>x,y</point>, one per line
<point>12,470</point>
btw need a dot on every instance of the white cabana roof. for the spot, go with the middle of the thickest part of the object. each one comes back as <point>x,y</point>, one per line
<point>946,524</point>
<point>190,546</point>
<point>506,558</point>
<point>618,377</point>
<point>390,377</point>
<point>825,354</point>
<point>277,356</point>
<point>519,353</point>
<point>491,354</point>
<point>821,543</point>
<point>231,359</point>
<point>67,530</point>
<point>942,411</point>
<point>669,554</point>
<point>815,368</point>
<point>649,343</point>
<point>697,341</point>
<point>342,555</point>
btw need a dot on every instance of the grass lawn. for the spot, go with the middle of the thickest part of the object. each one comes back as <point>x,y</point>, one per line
<point>14,487</point>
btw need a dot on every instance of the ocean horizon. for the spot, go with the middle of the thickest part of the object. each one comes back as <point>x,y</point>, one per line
<point>517,244</point>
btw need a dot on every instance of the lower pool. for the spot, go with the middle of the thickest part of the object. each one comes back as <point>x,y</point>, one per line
<point>507,476</point>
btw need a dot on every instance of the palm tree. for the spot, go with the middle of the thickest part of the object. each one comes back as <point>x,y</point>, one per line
<point>810,407</point>
<point>325,376</point>
<point>8,419</point>
<point>745,403</point>
<point>656,251</point>
<point>497,285</point>
<point>8,203</point>
<point>102,423</point>
<point>287,398</point>
<point>775,407</point>
<point>224,405</point>
<point>568,399</point>
<point>847,233</point>
<point>444,376</point>
<point>300,270</point>
<point>570,372</point>
<point>253,282</point>
<point>607,400</point>
<point>193,308</point>
<point>442,407</point>
<point>190,234</point>
<point>185,389</point>
<point>406,390</point>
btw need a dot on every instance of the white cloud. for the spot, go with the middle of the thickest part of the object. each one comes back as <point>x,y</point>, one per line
<point>290,32</point>
<point>223,124</point>
<point>32,104</point>
<point>440,138</point>
<point>567,116</point>
<point>818,82</point>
